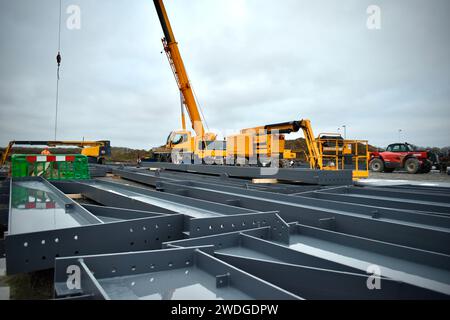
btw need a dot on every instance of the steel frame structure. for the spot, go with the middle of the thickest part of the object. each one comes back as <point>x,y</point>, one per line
<point>145,275</point>
<point>36,250</point>
<point>253,248</point>
<point>305,197</point>
<point>308,176</point>
<point>147,177</point>
<point>242,239</point>
<point>370,224</point>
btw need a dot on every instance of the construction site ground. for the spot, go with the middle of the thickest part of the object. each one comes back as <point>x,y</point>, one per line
<point>433,176</point>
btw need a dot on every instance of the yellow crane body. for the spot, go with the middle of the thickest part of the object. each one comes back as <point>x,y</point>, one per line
<point>252,144</point>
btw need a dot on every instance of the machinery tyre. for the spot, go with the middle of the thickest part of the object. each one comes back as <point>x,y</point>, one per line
<point>426,167</point>
<point>412,165</point>
<point>376,165</point>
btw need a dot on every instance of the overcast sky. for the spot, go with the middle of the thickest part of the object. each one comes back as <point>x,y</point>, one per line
<point>251,62</point>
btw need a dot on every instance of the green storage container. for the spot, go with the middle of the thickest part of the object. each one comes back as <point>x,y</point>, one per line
<point>50,167</point>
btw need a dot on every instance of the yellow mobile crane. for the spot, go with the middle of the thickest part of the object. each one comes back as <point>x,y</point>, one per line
<point>181,140</point>
<point>183,145</point>
<point>264,142</point>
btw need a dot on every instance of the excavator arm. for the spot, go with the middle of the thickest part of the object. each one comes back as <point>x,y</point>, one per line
<point>314,155</point>
<point>281,128</point>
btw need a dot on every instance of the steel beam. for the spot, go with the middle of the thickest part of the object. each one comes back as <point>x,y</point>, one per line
<point>123,196</point>
<point>412,187</point>
<point>36,205</point>
<point>90,284</point>
<point>418,218</point>
<point>150,178</point>
<point>375,212</point>
<point>314,283</point>
<point>413,255</point>
<point>31,247</point>
<point>322,177</point>
<point>415,195</point>
<point>413,235</point>
<point>135,272</point>
<point>436,208</point>
<point>260,243</point>
<point>217,225</point>
<point>120,213</point>
<point>423,274</point>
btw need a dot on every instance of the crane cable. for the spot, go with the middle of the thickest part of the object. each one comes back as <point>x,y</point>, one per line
<point>199,106</point>
<point>58,61</point>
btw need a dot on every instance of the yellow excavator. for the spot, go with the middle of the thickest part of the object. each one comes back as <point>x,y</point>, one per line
<point>259,145</point>
<point>96,151</point>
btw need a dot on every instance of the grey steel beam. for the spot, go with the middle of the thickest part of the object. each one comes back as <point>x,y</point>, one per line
<point>123,196</point>
<point>120,213</point>
<point>423,237</point>
<point>322,177</point>
<point>285,254</point>
<point>150,178</point>
<point>133,271</point>
<point>442,209</point>
<point>352,252</point>
<point>394,193</point>
<point>420,271</point>
<point>109,197</point>
<point>140,176</point>
<point>412,187</point>
<point>339,252</point>
<point>36,205</point>
<point>122,264</point>
<point>259,243</point>
<point>90,284</point>
<point>436,220</point>
<point>36,251</point>
<point>414,255</point>
<point>314,283</point>
<point>257,288</point>
<point>217,225</point>
<point>232,219</point>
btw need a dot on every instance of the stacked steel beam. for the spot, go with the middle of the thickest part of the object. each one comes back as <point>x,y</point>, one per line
<point>167,234</point>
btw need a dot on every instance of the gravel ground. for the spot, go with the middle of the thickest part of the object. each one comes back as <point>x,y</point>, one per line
<point>433,176</point>
<point>401,178</point>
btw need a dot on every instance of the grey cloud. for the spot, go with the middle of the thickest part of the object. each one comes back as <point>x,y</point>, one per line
<point>252,62</point>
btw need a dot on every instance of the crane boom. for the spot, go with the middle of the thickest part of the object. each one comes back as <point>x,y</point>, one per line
<point>179,70</point>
